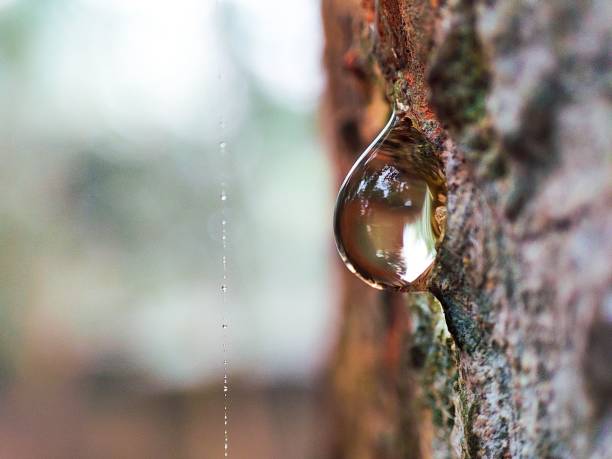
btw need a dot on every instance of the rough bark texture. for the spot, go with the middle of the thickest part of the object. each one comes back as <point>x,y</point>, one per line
<point>513,358</point>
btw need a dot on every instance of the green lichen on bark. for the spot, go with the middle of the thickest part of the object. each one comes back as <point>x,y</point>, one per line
<point>434,357</point>
<point>458,75</point>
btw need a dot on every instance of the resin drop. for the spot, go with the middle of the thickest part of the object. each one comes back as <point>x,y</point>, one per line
<point>390,214</point>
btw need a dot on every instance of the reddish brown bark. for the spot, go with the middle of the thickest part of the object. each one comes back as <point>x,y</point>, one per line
<point>514,96</point>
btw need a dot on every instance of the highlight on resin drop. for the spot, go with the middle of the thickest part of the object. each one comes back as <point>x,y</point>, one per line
<point>390,213</point>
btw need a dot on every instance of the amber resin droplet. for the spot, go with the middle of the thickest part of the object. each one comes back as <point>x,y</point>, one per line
<point>390,213</point>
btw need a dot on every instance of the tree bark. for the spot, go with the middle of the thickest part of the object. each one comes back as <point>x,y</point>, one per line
<point>510,355</point>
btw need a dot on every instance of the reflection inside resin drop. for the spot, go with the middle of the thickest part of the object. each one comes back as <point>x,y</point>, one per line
<point>390,212</point>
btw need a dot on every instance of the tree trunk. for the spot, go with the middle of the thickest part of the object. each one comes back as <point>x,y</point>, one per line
<point>509,356</point>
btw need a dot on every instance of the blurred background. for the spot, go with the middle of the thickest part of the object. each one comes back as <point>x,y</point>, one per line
<point>112,119</point>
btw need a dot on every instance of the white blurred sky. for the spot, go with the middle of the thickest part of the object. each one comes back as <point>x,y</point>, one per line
<point>136,65</point>
<point>152,72</point>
